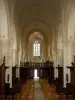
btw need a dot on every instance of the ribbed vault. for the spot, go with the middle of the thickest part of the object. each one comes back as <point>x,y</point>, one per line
<point>47,12</point>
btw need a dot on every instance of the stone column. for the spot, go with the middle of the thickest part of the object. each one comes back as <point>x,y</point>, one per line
<point>1,53</point>
<point>18,62</point>
<point>5,50</point>
<point>59,57</point>
<point>49,55</point>
<point>14,54</point>
<point>70,57</point>
<point>26,51</point>
<point>65,61</point>
<point>10,63</point>
<point>59,54</point>
<point>55,63</point>
<point>54,54</point>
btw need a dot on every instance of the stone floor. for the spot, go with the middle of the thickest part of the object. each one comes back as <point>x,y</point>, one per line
<point>38,94</point>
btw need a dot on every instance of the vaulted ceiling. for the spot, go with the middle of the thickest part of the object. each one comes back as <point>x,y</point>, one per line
<point>43,15</point>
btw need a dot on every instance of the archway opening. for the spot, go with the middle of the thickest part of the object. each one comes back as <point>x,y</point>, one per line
<point>36,47</point>
<point>35,74</point>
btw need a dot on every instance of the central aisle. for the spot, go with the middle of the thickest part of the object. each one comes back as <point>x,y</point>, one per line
<point>38,94</point>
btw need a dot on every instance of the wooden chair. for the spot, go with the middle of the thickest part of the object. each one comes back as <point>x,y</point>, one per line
<point>9,97</point>
<point>70,97</point>
<point>17,96</point>
<point>2,97</point>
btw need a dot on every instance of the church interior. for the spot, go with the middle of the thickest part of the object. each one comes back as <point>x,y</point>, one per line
<point>37,49</point>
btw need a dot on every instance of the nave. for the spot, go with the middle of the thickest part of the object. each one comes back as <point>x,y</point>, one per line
<point>38,94</point>
<point>38,89</point>
<point>41,90</point>
<point>34,85</point>
<point>37,35</point>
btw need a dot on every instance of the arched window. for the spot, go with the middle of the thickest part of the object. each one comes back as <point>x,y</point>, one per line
<point>36,48</point>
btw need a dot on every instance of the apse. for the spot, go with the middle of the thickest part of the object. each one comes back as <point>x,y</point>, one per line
<point>36,47</point>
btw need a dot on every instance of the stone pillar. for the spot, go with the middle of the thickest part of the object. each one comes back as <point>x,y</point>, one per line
<point>5,49</point>
<point>14,52</point>
<point>55,63</point>
<point>65,11</point>
<point>65,61</point>
<point>20,56</point>
<point>49,55</point>
<point>10,63</point>
<point>17,73</point>
<point>70,57</point>
<point>16,60</point>
<point>26,51</point>
<point>1,53</point>
<point>10,76</point>
<point>59,57</point>
<point>54,59</point>
<point>54,54</point>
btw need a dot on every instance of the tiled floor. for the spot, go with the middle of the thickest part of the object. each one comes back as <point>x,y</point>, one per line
<point>38,94</point>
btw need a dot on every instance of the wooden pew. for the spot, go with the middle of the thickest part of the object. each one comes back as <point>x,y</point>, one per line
<point>9,97</point>
<point>48,90</point>
<point>23,74</point>
<point>71,86</point>
<point>27,90</point>
<point>15,83</point>
<point>2,77</point>
<point>2,97</point>
<point>4,87</point>
<point>59,81</point>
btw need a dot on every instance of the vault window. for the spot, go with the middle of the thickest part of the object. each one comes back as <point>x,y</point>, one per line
<point>36,48</point>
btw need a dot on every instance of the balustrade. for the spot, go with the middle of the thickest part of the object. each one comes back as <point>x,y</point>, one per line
<point>36,64</point>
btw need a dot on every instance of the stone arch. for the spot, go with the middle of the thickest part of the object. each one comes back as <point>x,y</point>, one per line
<point>4,29</point>
<point>70,37</point>
<point>36,35</point>
<point>5,37</point>
<point>39,26</point>
<point>37,30</point>
<point>45,40</point>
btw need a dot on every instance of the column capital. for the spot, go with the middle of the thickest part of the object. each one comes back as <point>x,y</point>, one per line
<point>14,49</point>
<point>5,40</point>
<point>59,50</point>
<point>70,42</point>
